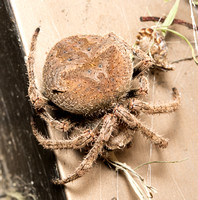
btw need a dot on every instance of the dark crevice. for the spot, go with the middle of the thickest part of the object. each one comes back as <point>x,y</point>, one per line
<point>27,165</point>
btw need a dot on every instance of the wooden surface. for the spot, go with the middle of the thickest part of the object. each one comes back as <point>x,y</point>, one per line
<point>64,18</point>
<point>25,168</point>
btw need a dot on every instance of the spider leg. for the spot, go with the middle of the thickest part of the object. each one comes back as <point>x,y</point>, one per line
<point>141,54</point>
<point>39,102</point>
<point>143,88</point>
<point>164,67</point>
<point>36,97</point>
<point>105,133</point>
<point>147,62</point>
<point>136,105</point>
<point>141,67</point>
<point>133,122</point>
<point>60,125</point>
<point>76,143</point>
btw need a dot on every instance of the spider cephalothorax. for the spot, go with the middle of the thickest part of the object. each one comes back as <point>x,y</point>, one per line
<point>92,77</point>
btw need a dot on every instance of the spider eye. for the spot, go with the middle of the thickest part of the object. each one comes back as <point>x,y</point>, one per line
<point>100,65</point>
<point>89,49</point>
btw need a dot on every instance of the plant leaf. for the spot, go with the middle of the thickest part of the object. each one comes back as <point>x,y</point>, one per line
<point>171,15</point>
<point>184,38</point>
<point>195,2</point>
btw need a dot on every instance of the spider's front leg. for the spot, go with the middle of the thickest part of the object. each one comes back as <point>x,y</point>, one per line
<point>146,62</point>
<point>36,98</point>
<point>136,105</point>
<point>38,101</point>
<point>105,132</point>
<point>143,87</point>
<point>133,122</point>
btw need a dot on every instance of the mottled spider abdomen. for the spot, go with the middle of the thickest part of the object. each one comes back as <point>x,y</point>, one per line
<point>152,42</point>
<point>86,74</point>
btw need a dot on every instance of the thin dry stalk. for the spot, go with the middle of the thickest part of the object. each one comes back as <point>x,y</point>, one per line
<point>143,191</point>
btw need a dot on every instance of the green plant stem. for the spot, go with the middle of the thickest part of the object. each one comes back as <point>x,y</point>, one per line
<point>184,38</point>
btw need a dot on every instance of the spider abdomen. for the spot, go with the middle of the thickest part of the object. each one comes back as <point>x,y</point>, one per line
<point>88,73</point>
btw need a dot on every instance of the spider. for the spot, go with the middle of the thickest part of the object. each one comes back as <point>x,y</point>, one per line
<point>91,78</point>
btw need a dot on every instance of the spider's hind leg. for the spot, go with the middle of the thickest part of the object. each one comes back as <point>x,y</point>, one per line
<point>76,143</point>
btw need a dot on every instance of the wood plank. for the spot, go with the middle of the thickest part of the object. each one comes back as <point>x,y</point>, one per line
<point>25,168</point>
<point>59,19</point>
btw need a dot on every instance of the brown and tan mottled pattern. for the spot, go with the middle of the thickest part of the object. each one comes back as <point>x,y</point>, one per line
<point>153,43</point>
<point>93,75</point>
